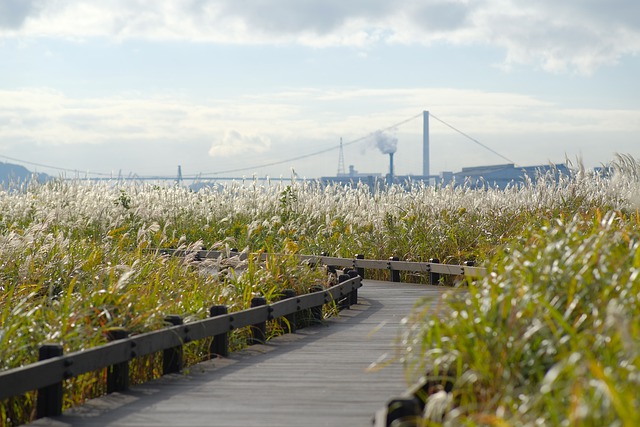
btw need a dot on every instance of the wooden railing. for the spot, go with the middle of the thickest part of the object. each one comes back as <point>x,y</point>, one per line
<point>47,375</point>
<point>394,265</point>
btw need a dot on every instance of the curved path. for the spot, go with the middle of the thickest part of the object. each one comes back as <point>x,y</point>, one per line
<point>318,376</point>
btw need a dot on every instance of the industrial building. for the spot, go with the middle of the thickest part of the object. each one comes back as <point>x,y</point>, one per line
<point>493,176</point>
<point>500,176</point>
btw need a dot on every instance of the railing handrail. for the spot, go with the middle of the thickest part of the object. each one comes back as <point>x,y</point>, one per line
<point>38,375</point>
<point>357,263</point>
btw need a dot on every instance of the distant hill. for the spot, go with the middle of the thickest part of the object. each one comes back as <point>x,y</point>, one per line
<point>11,174</point>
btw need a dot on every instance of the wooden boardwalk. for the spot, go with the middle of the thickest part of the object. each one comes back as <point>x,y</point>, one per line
<point>318,376</point>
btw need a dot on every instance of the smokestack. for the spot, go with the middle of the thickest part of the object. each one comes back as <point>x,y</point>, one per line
<point>390,168</point>
<point>425,144</point>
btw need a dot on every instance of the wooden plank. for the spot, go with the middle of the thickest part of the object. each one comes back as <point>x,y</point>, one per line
<point>318,376</point>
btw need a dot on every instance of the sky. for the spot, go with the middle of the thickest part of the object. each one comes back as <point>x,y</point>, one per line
<point>271,87</point>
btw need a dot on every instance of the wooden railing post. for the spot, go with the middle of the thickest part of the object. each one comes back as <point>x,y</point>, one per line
<point>220,343</point>
<point>172,358</point>
<point>394,274</point>
<point>403,411</point>
<point>259,330</point>
<point>291,319</point>
<point>353,296</point>
<point>360,270</point>
<point>346,302</point>
<point>434,278</point>
<point>49,400</point>
<point>118,374</point>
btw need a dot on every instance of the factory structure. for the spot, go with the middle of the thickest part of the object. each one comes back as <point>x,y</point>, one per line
<point>494,176</point>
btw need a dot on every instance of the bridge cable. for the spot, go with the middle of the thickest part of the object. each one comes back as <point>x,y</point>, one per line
<point>304,156</point>
<point>76,171</point>
<point>472,139</point>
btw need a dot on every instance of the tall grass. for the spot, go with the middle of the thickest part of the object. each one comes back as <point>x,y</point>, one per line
<point>75,258</point>
<point>551,336</point>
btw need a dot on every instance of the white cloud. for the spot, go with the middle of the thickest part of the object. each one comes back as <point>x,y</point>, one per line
<point>572,35</point>
<point>14,12</point>
<point>234,143</point>
<point>255,123</point>
<point>268,128</point>
<point>563,36</point>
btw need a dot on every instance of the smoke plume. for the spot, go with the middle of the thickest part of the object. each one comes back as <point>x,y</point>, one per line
<point>386,143</point>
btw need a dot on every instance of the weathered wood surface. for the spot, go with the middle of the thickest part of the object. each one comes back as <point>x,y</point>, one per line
<point>316,377</point>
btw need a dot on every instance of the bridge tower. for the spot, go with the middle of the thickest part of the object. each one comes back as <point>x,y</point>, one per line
<point>341,171</point>
<point>179,178</point>
<point>425,144</point>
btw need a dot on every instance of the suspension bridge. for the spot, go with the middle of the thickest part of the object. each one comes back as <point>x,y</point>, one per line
<point>227,174</point>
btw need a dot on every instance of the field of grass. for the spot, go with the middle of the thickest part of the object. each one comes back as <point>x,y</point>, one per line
<point>550,337</point>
